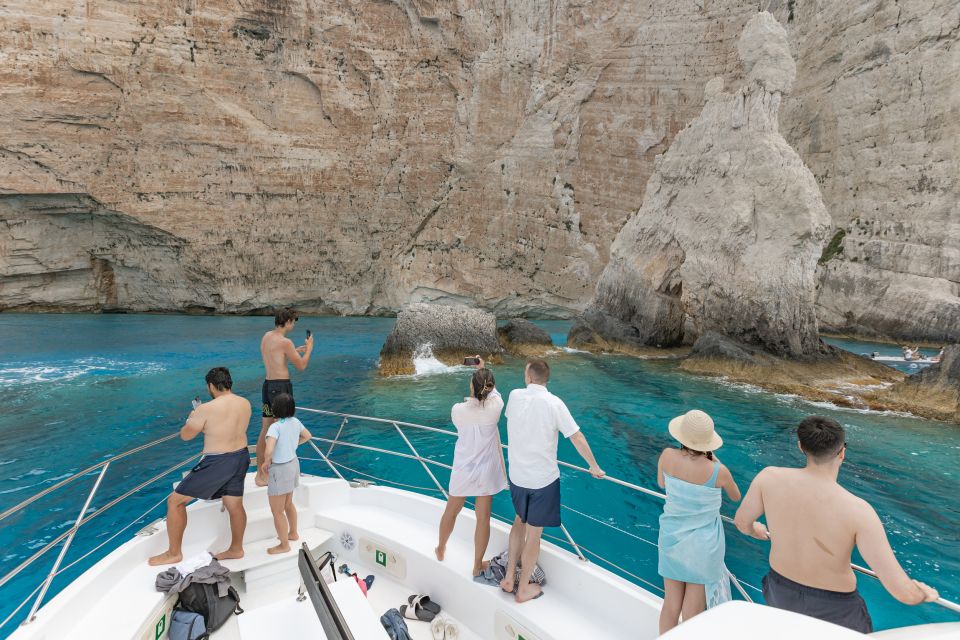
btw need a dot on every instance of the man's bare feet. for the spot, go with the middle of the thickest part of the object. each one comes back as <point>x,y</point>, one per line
<point>530,591</point>
<point>229,554</point>
<point>260,479</point>
<point>508,584</point>
<point>280,548</point>
<point>440,551</point>
<point>165,558</point>
<point>483,567</point>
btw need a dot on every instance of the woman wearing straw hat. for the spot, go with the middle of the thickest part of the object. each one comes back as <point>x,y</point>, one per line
<point>691,534</point>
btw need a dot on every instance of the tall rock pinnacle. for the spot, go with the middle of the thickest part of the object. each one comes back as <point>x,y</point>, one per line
<point>731,226</point>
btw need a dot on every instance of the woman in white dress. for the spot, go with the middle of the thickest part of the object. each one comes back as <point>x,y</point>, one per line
<point>478,467</point>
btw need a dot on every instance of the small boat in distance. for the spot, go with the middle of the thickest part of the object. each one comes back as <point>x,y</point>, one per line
<point>923,361</point>
<point>386,532</point>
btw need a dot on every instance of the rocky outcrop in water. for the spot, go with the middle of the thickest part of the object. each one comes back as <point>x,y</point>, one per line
<point>521,337</point>
<point>450,332</point>
<point>354,157</point>
<point>730,230</point>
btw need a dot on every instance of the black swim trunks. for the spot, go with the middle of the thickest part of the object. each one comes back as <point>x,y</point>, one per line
<point>271,389</point>
<point>537,507</point>
<point>216,475</point>
<point>845,608</point>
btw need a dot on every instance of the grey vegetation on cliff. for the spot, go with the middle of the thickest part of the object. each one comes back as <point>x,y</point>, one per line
<point>730,230</point>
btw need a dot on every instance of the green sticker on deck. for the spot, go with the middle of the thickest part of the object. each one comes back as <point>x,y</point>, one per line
<point>381,558</point>
<point>161,627</point>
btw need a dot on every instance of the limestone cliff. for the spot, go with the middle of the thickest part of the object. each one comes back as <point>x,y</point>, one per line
<point>353,156</point>
<point>874,115</point>
<point>730,230</point>
<point>347,156</point>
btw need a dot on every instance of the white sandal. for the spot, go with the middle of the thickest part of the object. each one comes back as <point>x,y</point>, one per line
<point>451,630</point>
<point>438,628</point>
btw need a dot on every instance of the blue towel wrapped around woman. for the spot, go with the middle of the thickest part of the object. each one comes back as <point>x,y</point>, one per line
<point>692,543</point>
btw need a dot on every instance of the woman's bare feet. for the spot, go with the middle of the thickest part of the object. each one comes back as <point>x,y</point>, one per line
<point>293,535</point>
<point>529,591</point>
<point>508,584</point>
<point>483,567</point>
<point>165,558</point>
<point>229,554</point>
<point>440,552</point>
<point>280,548</point>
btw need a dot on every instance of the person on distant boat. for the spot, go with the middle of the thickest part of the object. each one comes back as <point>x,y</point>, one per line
<point>478,467</point>
<point>939,356</point>
<point>283,468</point>
<point>535,417</point>
<point>907,353</point>
<point>278,351</point>
<point>814,525</point>
<point>691,542</point>
<point>221,471</point>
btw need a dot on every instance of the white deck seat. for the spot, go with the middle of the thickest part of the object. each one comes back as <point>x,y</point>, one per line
<point>565,610</point>
<point>255,553</point>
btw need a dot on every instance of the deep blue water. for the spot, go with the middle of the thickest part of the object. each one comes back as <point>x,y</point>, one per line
<point>78,388</point>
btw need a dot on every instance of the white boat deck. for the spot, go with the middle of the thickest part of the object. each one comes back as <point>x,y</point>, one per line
<point>391,534</point>
<point>120,589</point>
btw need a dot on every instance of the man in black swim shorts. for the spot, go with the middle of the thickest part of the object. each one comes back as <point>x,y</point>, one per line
<point>221,471</point>
<point>270,390</point>
<point>278,351</point>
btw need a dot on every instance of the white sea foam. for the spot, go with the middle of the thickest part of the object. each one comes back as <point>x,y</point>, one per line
<point>572,350</point>
<point>426,364</point>
<point>791,398</point>
<point>22,373</point>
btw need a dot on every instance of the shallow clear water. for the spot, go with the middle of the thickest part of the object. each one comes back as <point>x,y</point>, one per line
<point>77,388</point>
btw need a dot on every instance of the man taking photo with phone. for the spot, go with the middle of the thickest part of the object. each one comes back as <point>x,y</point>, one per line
<point>278,352</point>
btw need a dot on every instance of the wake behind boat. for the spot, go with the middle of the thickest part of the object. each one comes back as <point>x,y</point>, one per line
<point>387,533</point>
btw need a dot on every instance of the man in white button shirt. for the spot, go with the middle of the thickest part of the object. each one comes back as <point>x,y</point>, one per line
<point>534,418</point>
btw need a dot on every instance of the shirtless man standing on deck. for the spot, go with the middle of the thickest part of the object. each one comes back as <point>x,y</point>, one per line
<point>221,471</point>
<point>278,351</point>
<point>815,523</point>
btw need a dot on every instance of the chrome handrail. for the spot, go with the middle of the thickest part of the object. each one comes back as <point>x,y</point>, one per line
<point>18,507</point>
<point>336,441</point>
<point>943,602</point>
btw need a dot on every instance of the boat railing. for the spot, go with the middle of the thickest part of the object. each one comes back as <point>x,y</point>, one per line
<point>336,467</point>
<point>578,549</point>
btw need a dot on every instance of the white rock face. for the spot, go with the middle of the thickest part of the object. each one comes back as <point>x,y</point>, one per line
<point>874,115</point>
<point>352,157</point>
<point>730,230</point>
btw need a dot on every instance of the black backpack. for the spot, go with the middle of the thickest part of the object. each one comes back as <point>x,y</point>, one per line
<point>205,600</point>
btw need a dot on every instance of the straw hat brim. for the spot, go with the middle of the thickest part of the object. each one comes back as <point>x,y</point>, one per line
<point>714,443</point>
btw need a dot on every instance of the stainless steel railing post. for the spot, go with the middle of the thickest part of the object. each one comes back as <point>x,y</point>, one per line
<point>337,437</point>
<point>413,450</point>
<point>63,550</point>
<point>573,544</point>
<point>325,459</point>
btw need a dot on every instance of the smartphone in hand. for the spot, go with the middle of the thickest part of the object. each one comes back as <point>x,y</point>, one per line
<point>196,402</point>
<point>471,362</point>
<point>309,333</point>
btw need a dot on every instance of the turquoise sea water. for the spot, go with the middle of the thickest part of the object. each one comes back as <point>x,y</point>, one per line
<point>77,388</point>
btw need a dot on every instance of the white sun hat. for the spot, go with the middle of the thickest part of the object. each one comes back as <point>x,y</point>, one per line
<point>694,430</point>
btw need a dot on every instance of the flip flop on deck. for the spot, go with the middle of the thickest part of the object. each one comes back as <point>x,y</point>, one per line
<point>424,601</point>
<point>411,612</point>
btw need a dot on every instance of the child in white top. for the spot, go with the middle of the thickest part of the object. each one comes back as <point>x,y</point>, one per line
<point>283,469</point>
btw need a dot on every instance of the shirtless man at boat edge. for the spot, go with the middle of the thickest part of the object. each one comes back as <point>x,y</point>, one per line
<point>278,351</point>
<point>814,525</point>
<point>221,471</point>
